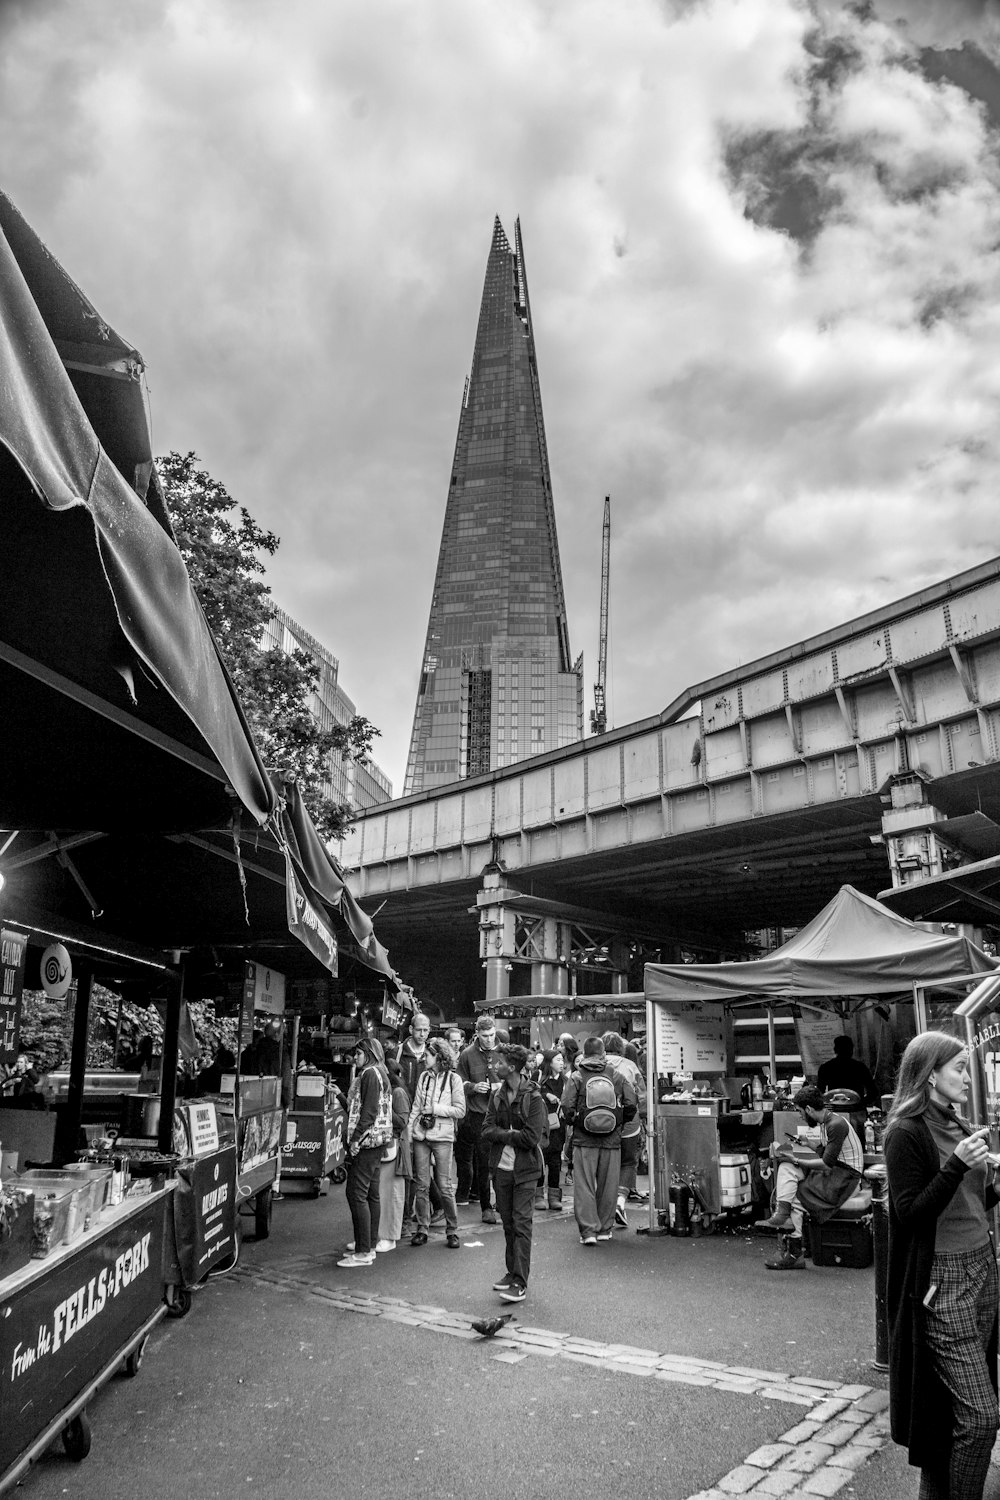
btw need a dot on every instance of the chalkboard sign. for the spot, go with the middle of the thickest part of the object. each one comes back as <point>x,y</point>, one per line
<point>690,1039</point>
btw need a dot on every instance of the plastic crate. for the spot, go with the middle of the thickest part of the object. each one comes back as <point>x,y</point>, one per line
<point>842,1241</point>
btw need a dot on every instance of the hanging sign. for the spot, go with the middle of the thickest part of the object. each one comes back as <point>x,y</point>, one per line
<point>268,989</point>
<point>307,922</point>
<point>690,1039</point>
<point>13,946</point>
<point>57,971</point>
<point>392,1012</point>
<point>244,1034</point>
<point>815,1035</point>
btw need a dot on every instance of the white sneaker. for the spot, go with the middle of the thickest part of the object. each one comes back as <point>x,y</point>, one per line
<point>349,1247</point>
<point>358,1260</point>
<point>385,1245</point>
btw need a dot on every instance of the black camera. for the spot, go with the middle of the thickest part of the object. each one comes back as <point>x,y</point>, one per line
<point>427,1122</point>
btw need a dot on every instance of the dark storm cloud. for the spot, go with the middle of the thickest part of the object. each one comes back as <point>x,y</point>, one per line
<point>761,249</point>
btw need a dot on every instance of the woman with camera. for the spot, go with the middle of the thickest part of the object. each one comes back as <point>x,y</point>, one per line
<point>941,1288</point>
<point>438,1104</point>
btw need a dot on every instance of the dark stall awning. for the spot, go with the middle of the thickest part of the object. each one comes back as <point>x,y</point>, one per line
<point>121,725</point>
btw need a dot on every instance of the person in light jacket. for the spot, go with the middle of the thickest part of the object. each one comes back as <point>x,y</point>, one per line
<point>438,1104</point>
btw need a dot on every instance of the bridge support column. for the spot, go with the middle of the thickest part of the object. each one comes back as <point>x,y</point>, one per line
<point>549,976</point>
<point>497,979</point>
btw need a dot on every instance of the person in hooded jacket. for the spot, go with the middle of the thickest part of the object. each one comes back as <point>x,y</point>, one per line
<point>397,1164</point>
<point>596,1157</point>
<point>620,1062</point>
<point>941,1287</point>
<point>438,1106</point>
<point>369,1131</point>
<point>514,1129</point>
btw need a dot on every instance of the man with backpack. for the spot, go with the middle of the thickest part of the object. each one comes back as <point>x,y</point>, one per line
<point>516,1131</point>
<point>596,1103</point>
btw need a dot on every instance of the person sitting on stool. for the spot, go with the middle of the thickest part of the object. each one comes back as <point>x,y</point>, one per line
<point>822,1190</point>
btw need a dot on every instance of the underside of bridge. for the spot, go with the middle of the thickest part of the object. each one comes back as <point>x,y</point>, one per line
<point>868,756</point>
<point>701,893</point>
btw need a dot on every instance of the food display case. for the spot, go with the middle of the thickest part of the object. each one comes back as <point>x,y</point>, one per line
<point>250,1109</point>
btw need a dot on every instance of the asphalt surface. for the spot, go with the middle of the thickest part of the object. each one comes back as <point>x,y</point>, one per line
<point>269,1387</point>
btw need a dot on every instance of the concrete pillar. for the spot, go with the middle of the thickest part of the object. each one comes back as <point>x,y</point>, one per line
<point>497,980</point>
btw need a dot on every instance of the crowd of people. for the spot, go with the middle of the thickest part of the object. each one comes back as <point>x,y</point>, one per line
<point>444,1125</point>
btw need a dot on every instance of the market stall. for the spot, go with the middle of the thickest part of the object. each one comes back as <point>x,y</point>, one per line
<point>143,838</point>
<point>71,1320</point>
<point>852,954</point>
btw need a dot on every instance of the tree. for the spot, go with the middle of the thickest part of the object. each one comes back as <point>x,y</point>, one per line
<point>225,557</point>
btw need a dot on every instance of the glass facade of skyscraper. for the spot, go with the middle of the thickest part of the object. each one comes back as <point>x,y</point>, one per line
<point>361,786</point>
<point>497,683</point>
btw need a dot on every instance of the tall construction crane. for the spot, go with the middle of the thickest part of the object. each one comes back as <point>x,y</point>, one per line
<point>599,713</point>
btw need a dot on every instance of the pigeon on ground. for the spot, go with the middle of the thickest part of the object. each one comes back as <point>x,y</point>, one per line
<point>490,1326</point>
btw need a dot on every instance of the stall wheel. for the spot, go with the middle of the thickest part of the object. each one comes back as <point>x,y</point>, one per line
<point>263,1209</point>
<point>134,1360</point>
<point>338,1175</point>
<point>180,1303</point>
<point>76,1438</point>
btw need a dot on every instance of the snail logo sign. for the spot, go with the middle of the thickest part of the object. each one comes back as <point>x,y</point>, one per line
<point>57,971</point>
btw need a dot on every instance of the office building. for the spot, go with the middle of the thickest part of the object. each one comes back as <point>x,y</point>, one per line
<point>360,786</point>
<point>497,681</point>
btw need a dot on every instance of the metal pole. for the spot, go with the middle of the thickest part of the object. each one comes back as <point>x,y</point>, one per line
<point>651,1109</point>
<point>772,1046</point>
<point>72,1115</point>
<point>168,1070</point>
<point>880,1237</point>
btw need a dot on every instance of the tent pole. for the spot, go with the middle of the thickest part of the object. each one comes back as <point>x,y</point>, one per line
<point>975,1077</point>
<point>651,1109</point>
<point>771,1046</point>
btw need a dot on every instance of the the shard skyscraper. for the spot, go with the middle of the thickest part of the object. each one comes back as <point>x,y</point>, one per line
<point>497,682</point>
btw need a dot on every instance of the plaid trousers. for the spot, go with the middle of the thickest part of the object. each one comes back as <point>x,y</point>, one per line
<point>957,1330</point>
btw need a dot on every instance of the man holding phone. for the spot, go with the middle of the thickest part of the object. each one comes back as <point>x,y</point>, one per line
<point>821,1190</point>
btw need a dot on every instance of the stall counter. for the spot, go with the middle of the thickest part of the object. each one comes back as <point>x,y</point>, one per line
<point>68,1321</point>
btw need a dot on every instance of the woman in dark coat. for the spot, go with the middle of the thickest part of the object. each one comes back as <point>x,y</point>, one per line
<point>942,1276</point>
<point>551,1080</point>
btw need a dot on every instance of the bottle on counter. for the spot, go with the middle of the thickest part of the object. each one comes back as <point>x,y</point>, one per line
<point>757,1091</point>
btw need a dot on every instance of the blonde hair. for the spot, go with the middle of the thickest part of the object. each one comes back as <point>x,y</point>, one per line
<point>923,1055</point>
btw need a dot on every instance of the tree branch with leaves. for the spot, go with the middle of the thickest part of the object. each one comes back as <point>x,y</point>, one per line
<point>225,551</point>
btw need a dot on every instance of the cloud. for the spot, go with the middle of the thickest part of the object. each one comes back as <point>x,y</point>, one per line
<point>761,253</point>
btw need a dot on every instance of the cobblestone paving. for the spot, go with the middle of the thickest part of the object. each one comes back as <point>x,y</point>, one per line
<point>839,1427</point>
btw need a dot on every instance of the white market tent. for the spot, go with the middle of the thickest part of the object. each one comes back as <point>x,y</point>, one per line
<point>853,946</point>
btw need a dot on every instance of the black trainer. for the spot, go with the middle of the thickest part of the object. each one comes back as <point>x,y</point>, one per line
<point>516,1292</point>
<point>503,1283</point>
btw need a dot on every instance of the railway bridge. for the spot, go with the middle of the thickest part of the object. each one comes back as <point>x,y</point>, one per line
<point>864,755</point>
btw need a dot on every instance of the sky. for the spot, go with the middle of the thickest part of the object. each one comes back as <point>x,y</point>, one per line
<point>761,239</point>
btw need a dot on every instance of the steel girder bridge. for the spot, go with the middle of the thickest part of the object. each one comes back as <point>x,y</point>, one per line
<point>865,755</point>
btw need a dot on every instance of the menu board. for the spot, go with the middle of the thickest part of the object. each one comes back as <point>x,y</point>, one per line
<point>690,1039</point>
<point>13,945</point>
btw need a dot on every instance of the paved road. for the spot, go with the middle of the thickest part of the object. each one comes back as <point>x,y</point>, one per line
<point>650,1367</point>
